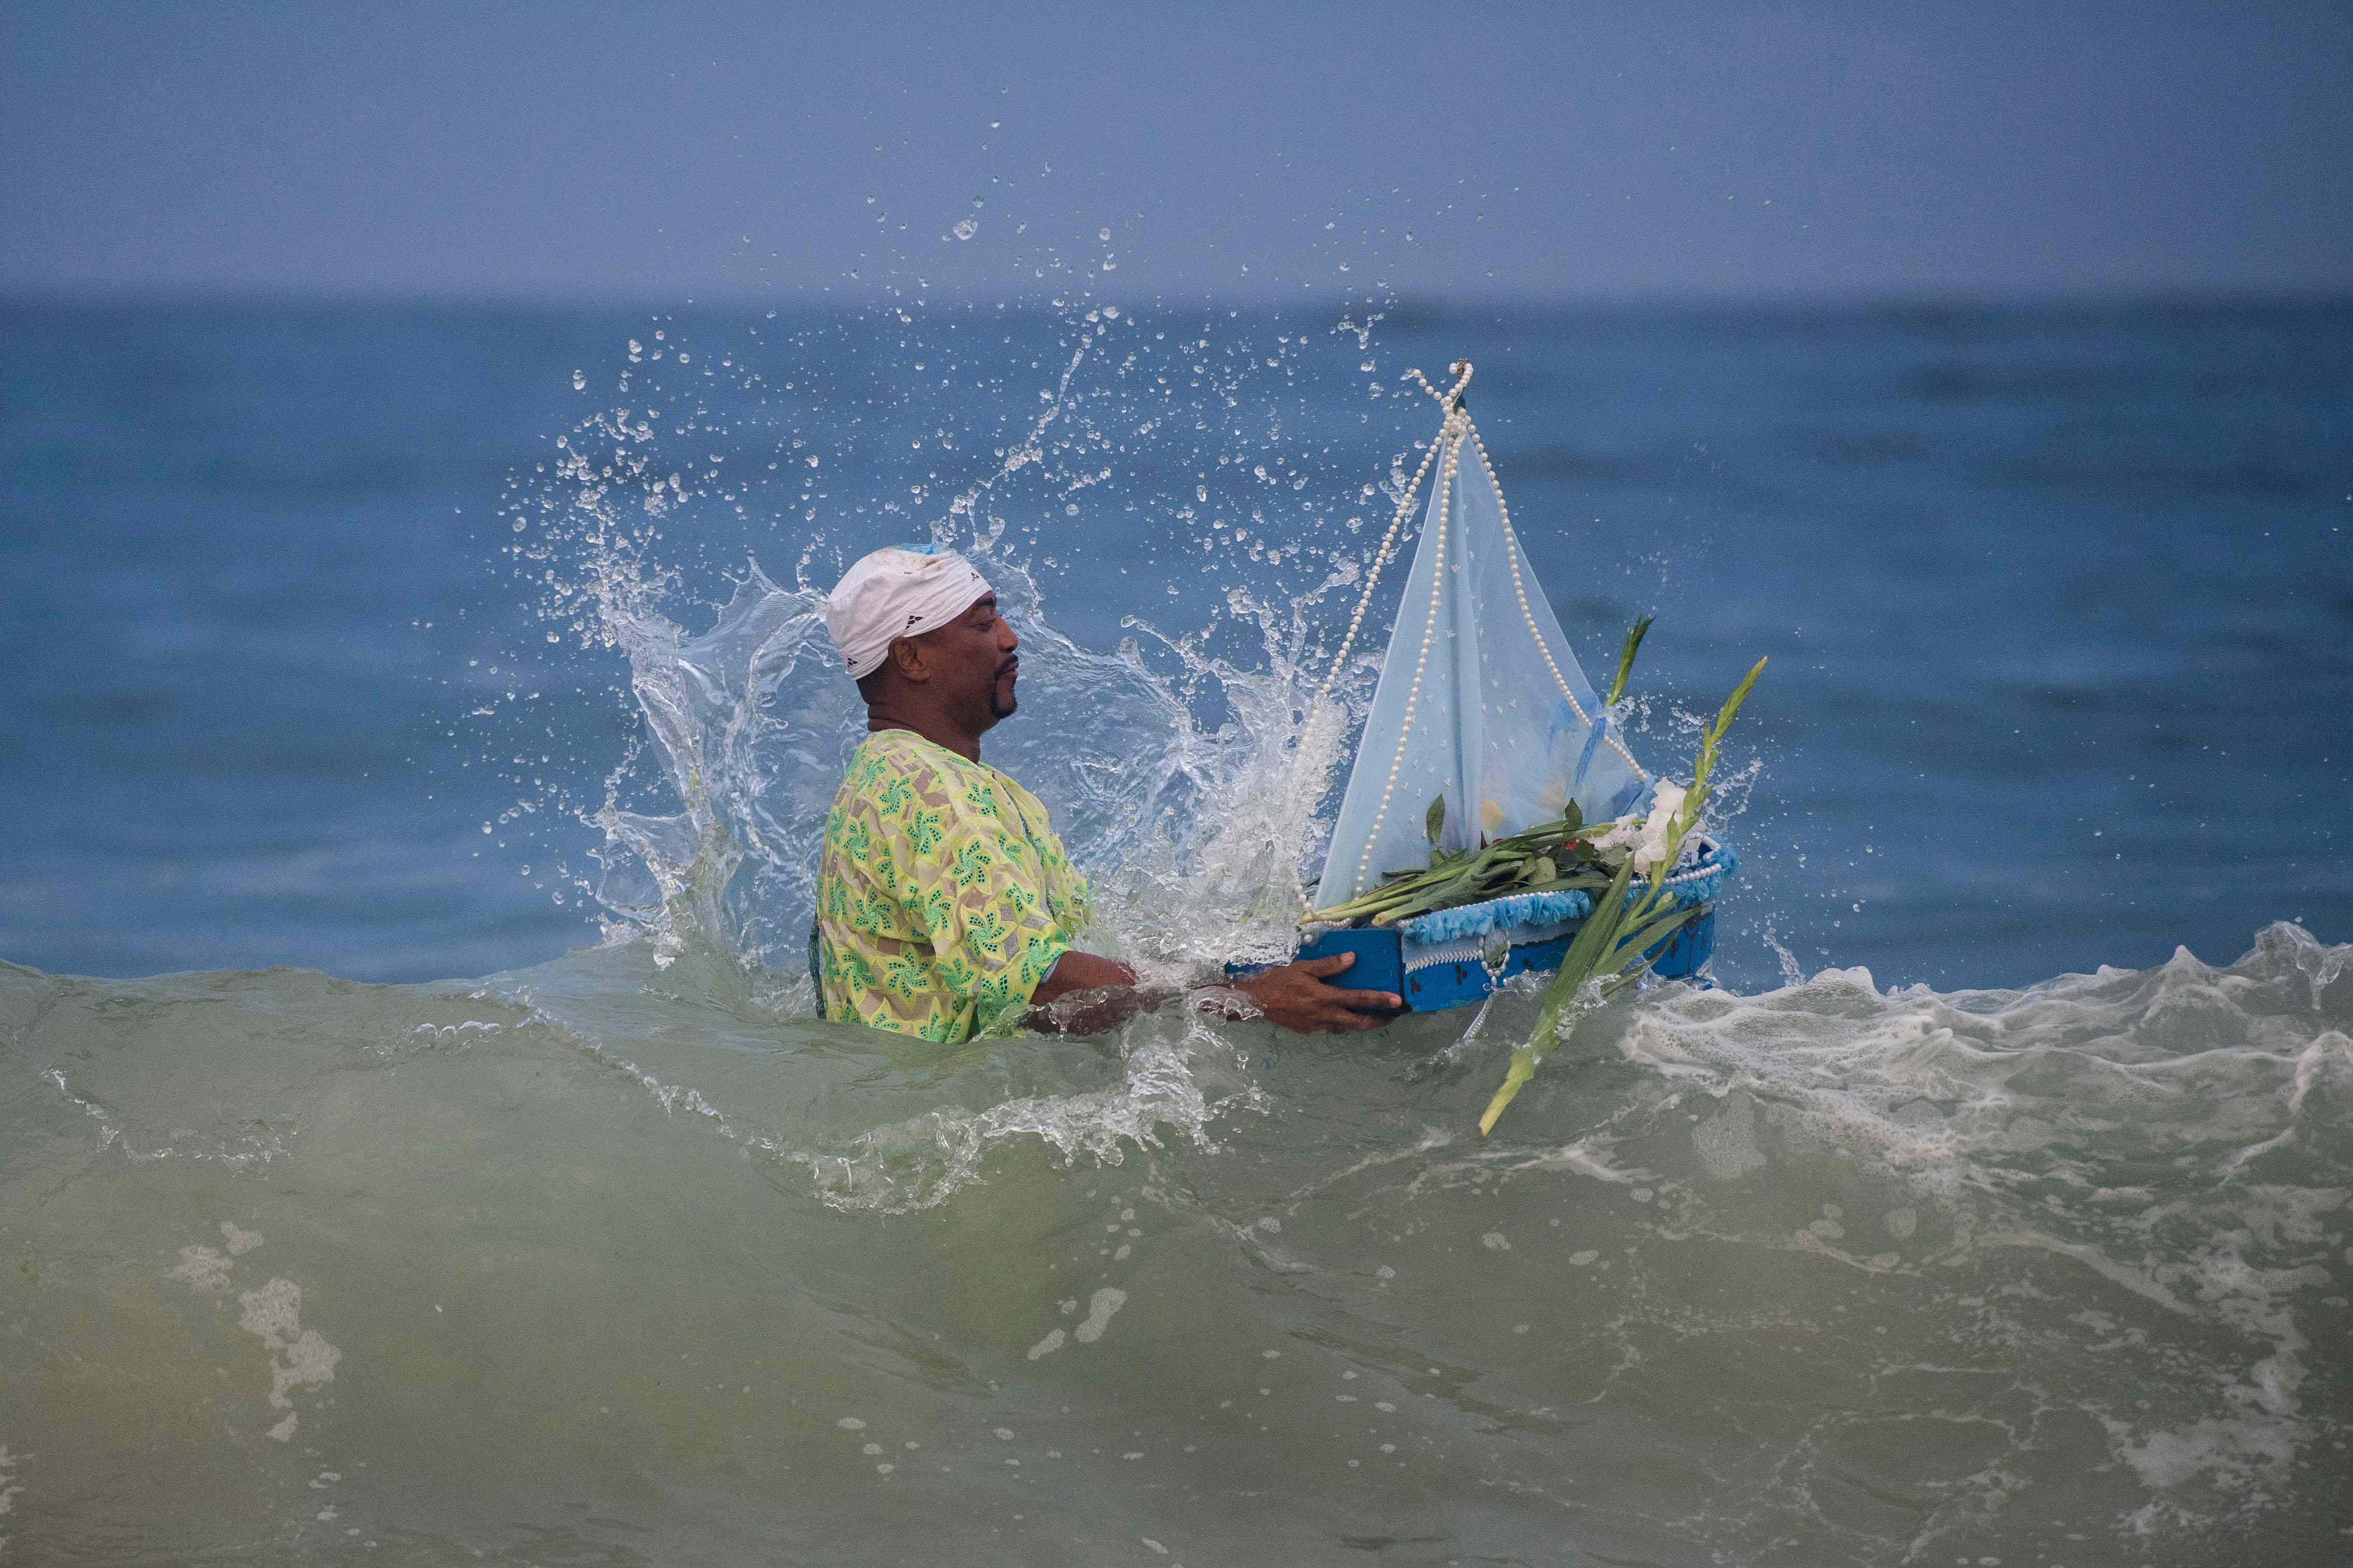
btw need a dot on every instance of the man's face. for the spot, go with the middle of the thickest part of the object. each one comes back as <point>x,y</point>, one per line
<point>973,659</point>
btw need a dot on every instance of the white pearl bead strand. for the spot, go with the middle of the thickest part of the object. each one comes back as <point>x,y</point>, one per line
<point>1454,442</point>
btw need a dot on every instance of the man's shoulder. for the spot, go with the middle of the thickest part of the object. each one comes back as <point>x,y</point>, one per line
<point>888,754</point>
<point>899,772</point>
<point>1011,790</point>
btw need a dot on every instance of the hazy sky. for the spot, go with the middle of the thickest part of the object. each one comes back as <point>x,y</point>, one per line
<point>1451,149</point>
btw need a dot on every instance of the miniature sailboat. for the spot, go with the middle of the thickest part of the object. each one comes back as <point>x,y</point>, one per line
<point>1483,725</point>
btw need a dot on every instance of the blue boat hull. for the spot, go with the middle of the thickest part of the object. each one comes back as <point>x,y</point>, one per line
<point>1430,980</point>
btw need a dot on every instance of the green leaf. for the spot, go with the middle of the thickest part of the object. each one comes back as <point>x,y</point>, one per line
<point>1629,948</point>
<point>1433,821</point>
<point>1634,635</point>
<point>1713,738</point>
<point>1584,949</point>
<point>1576,966</point>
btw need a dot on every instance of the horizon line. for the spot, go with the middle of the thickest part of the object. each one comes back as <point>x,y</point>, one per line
<point>184,296</point>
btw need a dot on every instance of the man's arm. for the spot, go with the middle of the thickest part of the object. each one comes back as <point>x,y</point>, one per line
<point>1103,993</point>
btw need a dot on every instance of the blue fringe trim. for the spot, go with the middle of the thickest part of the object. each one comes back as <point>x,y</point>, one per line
<point>1498,914</point>
<point>1696,885</point>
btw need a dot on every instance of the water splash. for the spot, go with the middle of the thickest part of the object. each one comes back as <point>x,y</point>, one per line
<point>1183,770</point>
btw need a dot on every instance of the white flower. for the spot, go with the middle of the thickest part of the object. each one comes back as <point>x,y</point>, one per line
<point>1642,837</point>
<point>1651,845</point>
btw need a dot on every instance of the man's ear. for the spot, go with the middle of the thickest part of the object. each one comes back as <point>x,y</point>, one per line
<point>907,657</point>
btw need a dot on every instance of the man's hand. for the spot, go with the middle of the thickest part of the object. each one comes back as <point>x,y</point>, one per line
<point>1086,995</point>
<point>1295,996</point>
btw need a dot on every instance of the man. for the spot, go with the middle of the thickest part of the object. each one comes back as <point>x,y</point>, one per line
<point>944,901</point>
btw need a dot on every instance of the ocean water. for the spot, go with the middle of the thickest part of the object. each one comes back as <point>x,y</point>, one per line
<point>467,1181</point>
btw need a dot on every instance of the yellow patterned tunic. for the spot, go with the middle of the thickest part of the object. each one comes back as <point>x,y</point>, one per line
<point>943,896</point>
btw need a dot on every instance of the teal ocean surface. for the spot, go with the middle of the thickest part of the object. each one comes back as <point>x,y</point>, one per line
<point>415,1146</point>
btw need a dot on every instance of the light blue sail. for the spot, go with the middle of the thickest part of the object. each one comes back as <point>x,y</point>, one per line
<point>1481,702</point>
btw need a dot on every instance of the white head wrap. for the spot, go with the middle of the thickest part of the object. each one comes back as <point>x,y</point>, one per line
<point>902,591</point>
